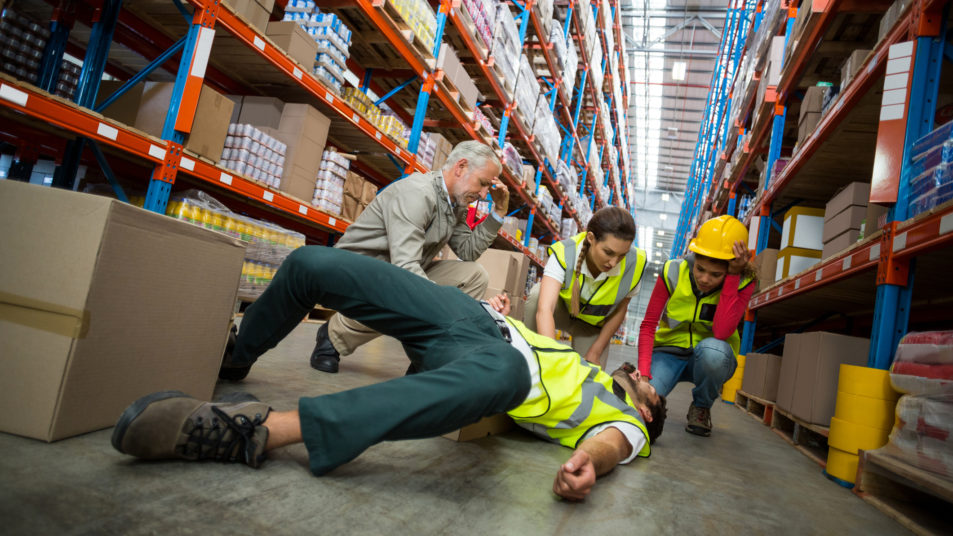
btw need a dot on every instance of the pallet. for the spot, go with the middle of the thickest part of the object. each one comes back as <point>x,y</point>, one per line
<point>810,439</point>
<point>919,500</point>
<point>760,409</point>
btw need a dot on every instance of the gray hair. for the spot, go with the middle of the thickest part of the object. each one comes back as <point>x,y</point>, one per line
<point>475,152</point>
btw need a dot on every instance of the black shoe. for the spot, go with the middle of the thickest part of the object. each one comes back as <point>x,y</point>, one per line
<point>324,357</point>
<point>227,370</point>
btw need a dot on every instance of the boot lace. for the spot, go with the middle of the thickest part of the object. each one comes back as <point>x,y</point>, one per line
<point>225,438</point>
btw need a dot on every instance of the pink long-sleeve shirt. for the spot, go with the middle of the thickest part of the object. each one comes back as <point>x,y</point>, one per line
<point>728,313</point>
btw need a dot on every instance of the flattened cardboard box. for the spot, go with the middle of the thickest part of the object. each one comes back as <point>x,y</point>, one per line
<point>102,305</point>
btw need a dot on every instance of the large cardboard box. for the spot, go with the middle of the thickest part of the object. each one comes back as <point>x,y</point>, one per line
<point>807,126</point>
<point>449,63</point>
<point>294,40</point>
<point>261,111</point>
<point>761,375</point>
<point>145,306</point>
<point>840,242</point>
<point>151,104</point>
<point>813,101</point>
<point>788,373</point>
<point>507,270</point>
<point>875,218</point>
<point>852,65</point>
<point>850,219</point>
<point>255,12</point>
<point>820,356</point>
<point>305,130</point>
<point>854,194</point>
<point>773,69</point>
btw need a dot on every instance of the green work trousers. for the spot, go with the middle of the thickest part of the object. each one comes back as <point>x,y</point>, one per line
<point>466,370</point>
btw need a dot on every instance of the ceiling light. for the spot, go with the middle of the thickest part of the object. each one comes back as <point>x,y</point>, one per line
<point>661,233</point>
<point>658,244</point>
<point>664,197</point>
<point>678,70</point>
<point>663,217</point>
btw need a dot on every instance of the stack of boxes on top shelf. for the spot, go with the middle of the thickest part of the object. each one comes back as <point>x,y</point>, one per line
<point>332,37</point>
<point>931,176</point>
<point>22,42</point>
<point>329,188</point>
<point>844,218</point>
<point>456,75</point>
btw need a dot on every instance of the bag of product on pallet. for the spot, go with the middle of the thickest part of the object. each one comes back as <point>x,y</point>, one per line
<point>923,434</point>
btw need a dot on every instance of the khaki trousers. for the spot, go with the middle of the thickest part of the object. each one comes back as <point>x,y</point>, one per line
<point>347,334</point>
<point>583,334</point>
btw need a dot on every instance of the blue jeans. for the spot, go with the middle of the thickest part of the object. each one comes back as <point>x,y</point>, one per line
<point>709,366</point>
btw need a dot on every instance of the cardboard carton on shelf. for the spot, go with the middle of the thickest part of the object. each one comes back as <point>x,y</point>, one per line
<point>305,130</point>
<point>766,263</point>
<point>840,242</point>
<point>852,65</point>
<point>819,356</point>
<point>145,107</point>
<point>257,111</point>
<point>803,227</point>
<point>761,375</point>
<point>854,194</point>
<point>793,261</point>
<point>255,12</point>
<point>78,350</point>
<point>294,40</point>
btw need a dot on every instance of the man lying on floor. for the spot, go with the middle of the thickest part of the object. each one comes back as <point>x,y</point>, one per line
<point>472,362</point>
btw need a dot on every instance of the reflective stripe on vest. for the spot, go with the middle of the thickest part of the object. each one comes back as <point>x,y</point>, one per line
<point>680,324</point>
<point>572,397</point>
<point>610,292</point>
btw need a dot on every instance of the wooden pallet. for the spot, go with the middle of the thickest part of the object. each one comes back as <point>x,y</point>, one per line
<point>810,439</point>
<point>919,500</point>
<point>760,409</point>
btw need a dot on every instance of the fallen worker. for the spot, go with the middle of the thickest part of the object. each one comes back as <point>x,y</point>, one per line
<point>471,362</point>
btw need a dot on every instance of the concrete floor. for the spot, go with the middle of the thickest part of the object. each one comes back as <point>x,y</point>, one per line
<point>742,480</point>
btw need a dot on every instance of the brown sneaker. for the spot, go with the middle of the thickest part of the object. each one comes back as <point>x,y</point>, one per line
<point>170,424</point>
<point>699,421</point>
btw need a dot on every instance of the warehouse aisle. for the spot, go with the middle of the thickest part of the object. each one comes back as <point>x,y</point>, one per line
<point>742,480</point>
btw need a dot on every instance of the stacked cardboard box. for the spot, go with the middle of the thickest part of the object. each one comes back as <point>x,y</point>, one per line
<point>441,150</point>
<point>843,217</point>
<point>78,350</point>
<point>766,264</point>
<point>454,71</point>
<point>144,106</point>
<point>294,40</point>
<point>256,12</point>
<point>801,244</point>
<point>305,131</point>
<point>810,113</point>
<point>761,375</point>
<point>508,271</point>
<point>807,383</point>
<point>852,65</point>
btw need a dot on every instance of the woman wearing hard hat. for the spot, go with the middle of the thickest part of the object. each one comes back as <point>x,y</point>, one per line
<point>588,300</point>
<point>689,332</point>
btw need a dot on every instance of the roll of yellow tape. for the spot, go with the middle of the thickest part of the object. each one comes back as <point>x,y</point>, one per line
<point>866,381</point>
<point>741,361</point>
<point>738,375</point>
<point>865,411</point>
<point>729,389</point>
<point>849,437</point>
<point>842,465</point>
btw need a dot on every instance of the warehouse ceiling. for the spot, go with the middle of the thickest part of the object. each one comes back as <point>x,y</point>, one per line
<point>672,47</point>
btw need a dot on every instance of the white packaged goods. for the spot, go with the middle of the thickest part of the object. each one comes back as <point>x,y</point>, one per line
<point>329,186</point>
<point>512,159</point>
<point>572,66</point>
<point>332,37</point>
<point>527,92</point>
<point>250,152</point>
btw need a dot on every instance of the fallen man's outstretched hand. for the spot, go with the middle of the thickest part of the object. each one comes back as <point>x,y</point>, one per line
<point>500,303</point>
<point>575,477</point>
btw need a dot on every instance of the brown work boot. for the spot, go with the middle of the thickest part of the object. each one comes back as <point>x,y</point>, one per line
<point>171,424</point>
<point>699,421</point>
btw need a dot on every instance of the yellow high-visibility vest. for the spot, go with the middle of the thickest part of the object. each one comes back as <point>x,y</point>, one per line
<point>610,293</point>
<point>571,396</point>
<point>687,319</point>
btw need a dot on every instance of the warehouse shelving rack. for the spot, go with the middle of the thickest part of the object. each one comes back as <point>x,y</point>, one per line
<point>167,156</point>
<point>853,134</point>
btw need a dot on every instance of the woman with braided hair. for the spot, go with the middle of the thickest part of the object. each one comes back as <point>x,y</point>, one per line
<point>587,283</point>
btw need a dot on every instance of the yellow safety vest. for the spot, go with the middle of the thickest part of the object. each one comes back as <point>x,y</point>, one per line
<point>687,319</point>
<point>572,395</point>
<point>613,289</point>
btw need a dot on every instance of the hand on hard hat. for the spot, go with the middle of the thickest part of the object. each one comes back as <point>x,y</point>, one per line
<point>740,260</point>
<point>717,236</point>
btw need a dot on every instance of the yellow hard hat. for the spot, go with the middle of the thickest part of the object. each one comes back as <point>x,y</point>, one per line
<point>717,236</point>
